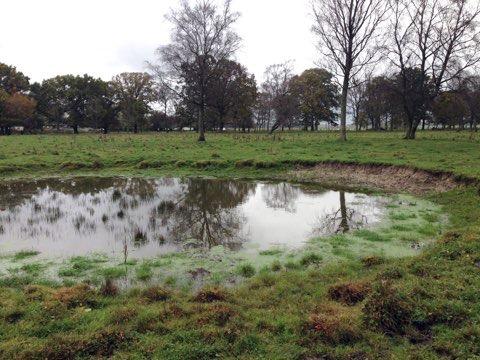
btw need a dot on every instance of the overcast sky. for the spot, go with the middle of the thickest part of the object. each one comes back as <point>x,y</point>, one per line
<point>44,38</point>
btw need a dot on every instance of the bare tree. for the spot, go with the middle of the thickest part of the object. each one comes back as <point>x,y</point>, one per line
<point>276,89</point>
<point>201,37</point>
<point>349,39</point>
<point>438,40</point>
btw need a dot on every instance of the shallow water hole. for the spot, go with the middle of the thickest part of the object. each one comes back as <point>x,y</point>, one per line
<point>189,231</point>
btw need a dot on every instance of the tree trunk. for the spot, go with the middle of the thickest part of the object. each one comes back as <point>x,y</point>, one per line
<point>201,124</point>
<point>343,108</point>
<point>75,129</point>
<point>411,130</point>
<point>343,212</point>
<point>135,128</point>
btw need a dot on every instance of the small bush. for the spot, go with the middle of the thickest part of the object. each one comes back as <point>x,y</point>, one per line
<point>37,292</point>
<point>218,314</point>
<point>392,273</point>
<point>123,315</point>
<point>349,293</point>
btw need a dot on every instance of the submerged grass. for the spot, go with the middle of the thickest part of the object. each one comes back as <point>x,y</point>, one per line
<point>357,307</point>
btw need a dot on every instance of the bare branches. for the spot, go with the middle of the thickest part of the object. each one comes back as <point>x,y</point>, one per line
<point>348,39</point>
<point>201,37</point>
<point>438,38</point>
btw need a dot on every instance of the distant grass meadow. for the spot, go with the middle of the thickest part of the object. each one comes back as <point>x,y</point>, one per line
<point>456,152</point>
<point>369,307</point>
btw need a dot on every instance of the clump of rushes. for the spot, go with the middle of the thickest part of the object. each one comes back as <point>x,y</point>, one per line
<point>109,288</point>
<point>371,261</point>
<point>76,296</point>
<point>332,324</point>
<point>246,270</point>
<point>210,294</point>
<point>276,266</point>
<point>25,254</point>
<point>388,310</point>
<point>311,259</point>
<point>156,294</point>
<point>349,293</point>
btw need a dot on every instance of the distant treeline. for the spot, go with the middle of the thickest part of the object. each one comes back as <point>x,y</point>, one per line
<point>392,65</point>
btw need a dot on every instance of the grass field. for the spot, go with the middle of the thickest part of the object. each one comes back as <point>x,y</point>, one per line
<point>456,152</point>
<point>425,307</point>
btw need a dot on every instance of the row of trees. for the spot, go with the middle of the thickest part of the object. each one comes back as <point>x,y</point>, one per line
<point>377,103</point>
<point>428,51</point>
<point>429,46</point>
<point>138,101</point>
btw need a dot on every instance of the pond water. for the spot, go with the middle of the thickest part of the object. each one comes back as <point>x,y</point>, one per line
<point>144,218</point>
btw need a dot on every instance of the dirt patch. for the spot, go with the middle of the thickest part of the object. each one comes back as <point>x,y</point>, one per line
<point>382,177</point>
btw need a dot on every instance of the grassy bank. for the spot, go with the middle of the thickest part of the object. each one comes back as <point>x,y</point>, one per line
<point>423,307</point>
<point>456,152</point>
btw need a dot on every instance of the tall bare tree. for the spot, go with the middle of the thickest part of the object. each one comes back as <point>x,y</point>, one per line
<point>277,89</point>
<point>436,39</point>
<point>349,39</point>
<point>202,36</point>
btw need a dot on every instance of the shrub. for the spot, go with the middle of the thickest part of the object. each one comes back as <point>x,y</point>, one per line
<point>276,266</point>
<point>218,314</point>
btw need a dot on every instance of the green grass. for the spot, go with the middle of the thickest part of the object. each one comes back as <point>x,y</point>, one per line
<point>22,255</point>
<point>422,307</point>
<point>43,155</point>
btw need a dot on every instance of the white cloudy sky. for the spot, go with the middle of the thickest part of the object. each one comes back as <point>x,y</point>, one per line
<point>44,38</point>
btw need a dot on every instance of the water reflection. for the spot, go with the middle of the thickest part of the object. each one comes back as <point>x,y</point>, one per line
<point>147,217</point>
<point>342,220</point>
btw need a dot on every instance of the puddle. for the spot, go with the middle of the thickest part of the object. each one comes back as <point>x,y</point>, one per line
<point>194,230</point>
<point>144,218</point>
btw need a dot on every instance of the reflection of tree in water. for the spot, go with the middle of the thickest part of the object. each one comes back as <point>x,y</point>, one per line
<point>281,196</point>
<point>201,211</point>
<point>207,213</point>
<point>340,221</point>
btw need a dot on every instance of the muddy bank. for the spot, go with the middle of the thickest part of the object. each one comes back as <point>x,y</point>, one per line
<point>381,177</point>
